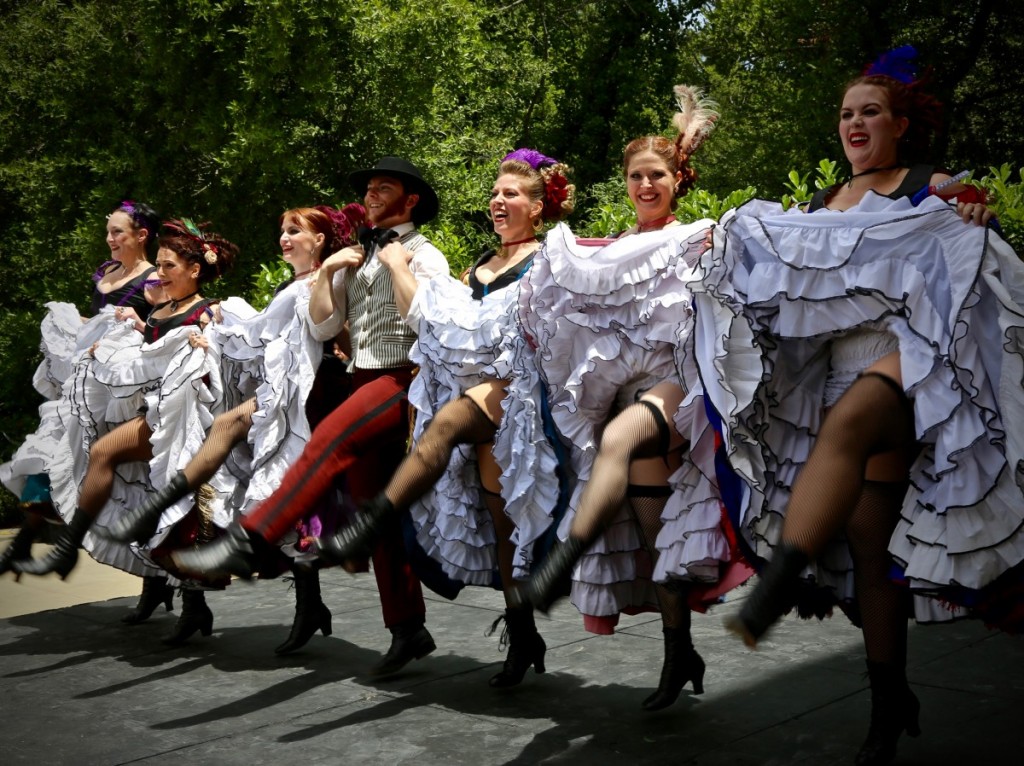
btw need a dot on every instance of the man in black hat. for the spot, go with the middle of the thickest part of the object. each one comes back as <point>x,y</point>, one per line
<point>370,286</point>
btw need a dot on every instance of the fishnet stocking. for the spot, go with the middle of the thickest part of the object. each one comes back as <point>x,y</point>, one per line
<point>872,417</point>
<point>127,443</point>
<point>636,432</point>
<point>459,422</point>
<point>647,504</point>
<point>228,429</point>
<point>884,605</point>
<point>503,529</point>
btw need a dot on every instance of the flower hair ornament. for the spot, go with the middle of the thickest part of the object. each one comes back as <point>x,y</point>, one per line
<point>209,251</point>
<point>557,188</point>
<point>898,64</point>
<point>188,227</point>
<point>345,223</point>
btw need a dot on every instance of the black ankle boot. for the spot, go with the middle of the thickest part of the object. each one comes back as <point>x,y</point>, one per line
<point>234,553</point>
<point>139,524</point>
<point>195,616</point>
<point>357,539</point>
<point>155,591</point>
<point>894,709</point>
<point>311,614</point>
<point>545,584</point>
<point>409,641</point>
<point>19,549</point>
<point>525,647</point>
<point>64,555</point>
<point>682,664</point>
<point>773,596</point>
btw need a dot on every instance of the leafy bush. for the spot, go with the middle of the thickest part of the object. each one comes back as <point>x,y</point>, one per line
<point>1006,198</point>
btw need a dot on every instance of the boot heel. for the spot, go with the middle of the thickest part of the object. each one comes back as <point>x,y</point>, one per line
<point>698,683</point>
<point>155,591</point>
<point>311,614</point>
<point>525,647</point>
<point>66,564</point>
<point>894,710</point>
<point>913,718</point>
<point>195,616</point>
<point>325,623</point>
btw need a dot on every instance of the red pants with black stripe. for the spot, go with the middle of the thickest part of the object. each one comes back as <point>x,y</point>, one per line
<point>364,438</point>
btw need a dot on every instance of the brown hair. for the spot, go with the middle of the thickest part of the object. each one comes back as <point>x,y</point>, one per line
<point>212,252</point>
<point>693,122</point>
<point>340,226</point>
<point>922,110</point>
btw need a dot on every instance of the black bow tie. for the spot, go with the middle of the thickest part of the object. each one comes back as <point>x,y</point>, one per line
<point>375,237</point>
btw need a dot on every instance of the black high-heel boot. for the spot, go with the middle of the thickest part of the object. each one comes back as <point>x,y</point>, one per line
<point>155,591</point>
<point>544,586</point>
<point>682,664</point>
<point>19,549</point>
<point>64,555</point>
<point>357,539</point>
<point>525,647</point>
<point>894,709</point>
<point>234,553</point>
<point>311,614</point>
<point>139,524</point>
<point>195,616</point>
<point>773,596</point>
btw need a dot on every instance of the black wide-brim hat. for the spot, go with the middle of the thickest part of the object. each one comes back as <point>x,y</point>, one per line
<point>411,178</point>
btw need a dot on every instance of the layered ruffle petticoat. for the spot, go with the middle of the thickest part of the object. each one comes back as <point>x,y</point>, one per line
<point>605,321</point>
<point>87,410</point>
<point>64,338</point>
<point>459,345</point>
<point>269,355</point>
<point>531,469</point>
<point>176,385</point>
<point>779,289</point>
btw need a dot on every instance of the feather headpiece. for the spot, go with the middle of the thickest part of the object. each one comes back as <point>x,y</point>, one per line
<point>531,157</point>
<point>695,119</point>
<point>898,64</point>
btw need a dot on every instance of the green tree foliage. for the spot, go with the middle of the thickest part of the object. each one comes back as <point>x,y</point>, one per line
<point>234,110</point>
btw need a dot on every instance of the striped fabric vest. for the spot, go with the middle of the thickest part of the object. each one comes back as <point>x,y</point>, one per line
<point>380,339</point>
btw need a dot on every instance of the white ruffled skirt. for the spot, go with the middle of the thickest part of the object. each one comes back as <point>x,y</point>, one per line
<point>605,322</point>
<point>780,291</point>
<point>461,343</point>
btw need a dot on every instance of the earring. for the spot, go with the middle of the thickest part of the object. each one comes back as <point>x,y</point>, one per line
<point>538,224</point>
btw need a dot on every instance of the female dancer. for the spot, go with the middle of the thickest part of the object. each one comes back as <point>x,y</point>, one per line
<point>878,313</point>
<point>458,346</point>
<point>186,260</point>
<point>629,366</point>
<point>274,348</point>
<point>124,282</point>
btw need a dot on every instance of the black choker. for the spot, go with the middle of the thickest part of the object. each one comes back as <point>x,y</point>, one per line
<point>869,171</point>
<point>175,302</point>
<point>301,274</point>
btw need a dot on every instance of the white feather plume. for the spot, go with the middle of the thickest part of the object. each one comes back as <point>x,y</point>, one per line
<point>696,117</point>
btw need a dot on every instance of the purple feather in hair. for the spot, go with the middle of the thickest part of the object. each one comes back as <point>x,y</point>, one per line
<point>531,157</point>
<point>897,64</point>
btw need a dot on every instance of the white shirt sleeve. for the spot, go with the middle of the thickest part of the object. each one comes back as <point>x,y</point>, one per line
<point>427,262</point>
<point>332,325</point>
